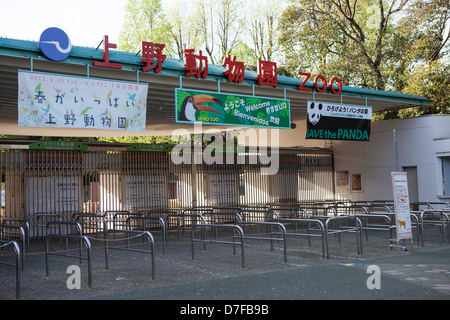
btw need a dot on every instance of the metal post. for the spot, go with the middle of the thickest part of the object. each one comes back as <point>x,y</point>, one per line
<point>397,168</point>
<point>194,177</point>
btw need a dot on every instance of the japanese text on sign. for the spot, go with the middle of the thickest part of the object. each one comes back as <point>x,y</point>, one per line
<point>230,109</point>
<point>47,100</point>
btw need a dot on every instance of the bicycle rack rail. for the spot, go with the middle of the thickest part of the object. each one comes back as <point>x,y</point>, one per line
<point>182,221</point>
<point>91,222</point>
<point>21,223</point>
<point>316,222</point>
<point>16,249</point>
<point>148,223</point>
<point>136,234</point>
<point>429,217</point>
<point>234,229</point>
<point>5,233</point>
<point>366,225</point>
<point>270,225</point>
<point>80,239</point>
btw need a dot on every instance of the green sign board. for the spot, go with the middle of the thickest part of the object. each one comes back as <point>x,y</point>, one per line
<point>58,145</point>
<point>229,109</point>
<point>150,147</point>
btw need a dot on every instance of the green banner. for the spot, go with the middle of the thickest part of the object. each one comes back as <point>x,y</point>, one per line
<point>216,108</point>
<point>150,147</point>
<point>57,145</point>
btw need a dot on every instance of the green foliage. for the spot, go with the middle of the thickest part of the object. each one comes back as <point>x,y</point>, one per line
<point>433,82</point>
<point>394,45</point>
<point>144,21</point>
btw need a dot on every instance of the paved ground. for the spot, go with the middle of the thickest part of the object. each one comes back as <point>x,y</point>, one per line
<point>216,274</point>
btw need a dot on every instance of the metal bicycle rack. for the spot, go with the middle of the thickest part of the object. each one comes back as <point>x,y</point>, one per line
<point>233,229</point>
<point>147,235</point>
<point>310,232</point>
<point>269,237</point>
<point>138,223</point>
<point>79,239</point>
<point>183,222</point>
<point>17,265</point>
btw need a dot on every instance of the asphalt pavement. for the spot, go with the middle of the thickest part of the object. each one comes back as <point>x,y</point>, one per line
<point>216,275</point>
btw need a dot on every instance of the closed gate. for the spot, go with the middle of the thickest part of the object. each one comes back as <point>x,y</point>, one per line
<point>57,182</point>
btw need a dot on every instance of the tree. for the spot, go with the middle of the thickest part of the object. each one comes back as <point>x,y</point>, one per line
<point>219,22</point>
<point>144,21</point>
<point>263,20</point>
<point>184,29</point>
<point>419,56</point>
<point>246,54</point>
<point>228,31</point>
<point>207,27</point>
<point>354,29</point>
<point>426,27</point>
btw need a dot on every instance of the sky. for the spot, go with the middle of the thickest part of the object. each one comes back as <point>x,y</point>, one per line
<point>84,21</point>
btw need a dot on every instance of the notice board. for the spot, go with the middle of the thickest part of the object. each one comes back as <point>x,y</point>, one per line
<point>401,206</point>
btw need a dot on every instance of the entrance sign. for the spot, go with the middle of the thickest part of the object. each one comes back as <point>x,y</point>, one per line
<point>335,121</point>
<point>57,101</point>
<point>401,206</point>
<point>230,109</point>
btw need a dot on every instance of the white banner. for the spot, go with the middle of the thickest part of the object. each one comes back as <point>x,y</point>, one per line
<point>401,205</point>
<point>337,110</point>
<point>57,101</point>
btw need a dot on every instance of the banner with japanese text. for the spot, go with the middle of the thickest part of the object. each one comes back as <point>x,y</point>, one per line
<point>401,205</point>
<point>57,101</point>
<point>335,121</point>
<point>230,109</point>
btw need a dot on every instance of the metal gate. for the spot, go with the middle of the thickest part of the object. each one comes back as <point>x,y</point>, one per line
<point>66,182</point>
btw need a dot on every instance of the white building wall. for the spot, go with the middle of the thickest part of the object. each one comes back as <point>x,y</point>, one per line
<point>420,143</point>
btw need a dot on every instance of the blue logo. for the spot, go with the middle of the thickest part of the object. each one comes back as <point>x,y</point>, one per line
<point>55,44</point>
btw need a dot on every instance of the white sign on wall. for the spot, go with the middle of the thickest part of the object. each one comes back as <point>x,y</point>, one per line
<point>223,188</point>
<point>142,191</point>
<point>53,194</point>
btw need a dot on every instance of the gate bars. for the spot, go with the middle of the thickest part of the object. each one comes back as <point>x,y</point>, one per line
<point>64,182</point>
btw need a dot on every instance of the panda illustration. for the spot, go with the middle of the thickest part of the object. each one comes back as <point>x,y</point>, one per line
<point>314,113</point>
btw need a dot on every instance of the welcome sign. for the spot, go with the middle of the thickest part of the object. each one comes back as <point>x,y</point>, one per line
<point>57,101</point>
<point>334,121</point>
<point>230,109</point>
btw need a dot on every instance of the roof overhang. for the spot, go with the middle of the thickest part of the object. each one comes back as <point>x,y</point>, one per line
<point>18,55</point>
